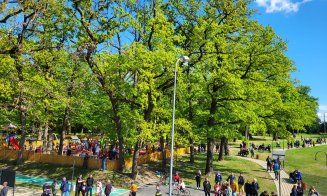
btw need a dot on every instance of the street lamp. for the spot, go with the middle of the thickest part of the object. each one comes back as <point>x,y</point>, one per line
<point>185,60</point>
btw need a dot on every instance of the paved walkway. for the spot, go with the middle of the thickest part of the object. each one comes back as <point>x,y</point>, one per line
<point>286,186</point>
<point>150,190</point>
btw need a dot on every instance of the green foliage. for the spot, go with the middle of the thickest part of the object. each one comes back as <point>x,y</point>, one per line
<point>111,63</point>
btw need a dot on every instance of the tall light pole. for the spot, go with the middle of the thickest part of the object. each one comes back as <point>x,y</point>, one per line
<point>184,59</point>
<point>324,122</point>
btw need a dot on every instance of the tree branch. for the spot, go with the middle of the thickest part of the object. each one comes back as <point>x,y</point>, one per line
<point>4,20</point>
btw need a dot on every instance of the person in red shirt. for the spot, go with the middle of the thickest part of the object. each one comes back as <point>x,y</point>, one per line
<point>217,189</point>
<point>176,179</point>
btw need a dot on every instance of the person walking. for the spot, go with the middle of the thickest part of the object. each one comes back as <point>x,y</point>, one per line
<point>276,169</point>
<point>206,187</point>
<point>293,191</point>
<point>198,179</point>
<point>89,185</point>
<point>108,188</point>
<point>133,189</point>
<point>255,187</point>
<point>240,183</point>
<point>64,187</point>
<point>54,188</point>
<point>299,189</point>
<point>79,183</point>
<point>4,190</point>
<point>268,160</point>
<point>248,188</point>
<point>252,152</point>
<point>104,161</point>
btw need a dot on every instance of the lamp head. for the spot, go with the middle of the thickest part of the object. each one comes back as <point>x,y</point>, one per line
<point>185,59</point>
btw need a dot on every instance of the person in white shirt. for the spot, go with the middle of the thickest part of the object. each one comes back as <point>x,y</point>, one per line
<point>98,189</point>
<point>182,186</point>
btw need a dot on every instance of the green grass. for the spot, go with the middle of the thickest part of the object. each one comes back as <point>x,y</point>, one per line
<point>266,139</point>
<point>236,165</point>
<point>314,171</point>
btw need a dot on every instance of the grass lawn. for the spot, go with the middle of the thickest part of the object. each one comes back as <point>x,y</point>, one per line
<point>236,165</point>
<point>314,171</point>
<point>258,140</point>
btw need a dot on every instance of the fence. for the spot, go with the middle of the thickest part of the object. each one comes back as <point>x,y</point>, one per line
<point>92,162</point>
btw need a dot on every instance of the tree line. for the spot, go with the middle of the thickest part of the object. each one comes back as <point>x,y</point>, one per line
<point>109,65</point>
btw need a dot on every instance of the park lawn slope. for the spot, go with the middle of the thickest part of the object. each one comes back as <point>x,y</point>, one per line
<point>314,171</point>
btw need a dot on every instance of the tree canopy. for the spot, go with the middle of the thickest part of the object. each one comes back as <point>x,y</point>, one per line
<point>108,65</point>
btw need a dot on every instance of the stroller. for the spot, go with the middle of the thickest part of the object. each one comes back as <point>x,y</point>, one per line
<point>296,176</point>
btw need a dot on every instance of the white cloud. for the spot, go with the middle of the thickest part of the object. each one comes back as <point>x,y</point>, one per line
<point>323,108</point>
<point>322,111</point>
<point>287,6</point>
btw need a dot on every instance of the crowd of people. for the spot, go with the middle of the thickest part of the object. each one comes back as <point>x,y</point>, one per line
<point>298,190</point>
<point>295,177</point>
<point>306,142</point>
<point>83,187</point>
<point>232,186</point>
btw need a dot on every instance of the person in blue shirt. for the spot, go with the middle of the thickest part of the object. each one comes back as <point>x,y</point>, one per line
<point>218,177</point>
<point>64,187</point>
<point>276,169</point>
<point>293,191</point>
<point>231,178</point>
<point>4,189</point>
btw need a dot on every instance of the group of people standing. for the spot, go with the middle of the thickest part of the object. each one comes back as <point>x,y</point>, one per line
<point>84,187</point>
<point>231,187</point>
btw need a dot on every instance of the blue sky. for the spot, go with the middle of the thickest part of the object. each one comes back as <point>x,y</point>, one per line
<point>303,23</point>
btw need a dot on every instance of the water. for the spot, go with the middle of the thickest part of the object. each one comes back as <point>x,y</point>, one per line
<point>41,181</point>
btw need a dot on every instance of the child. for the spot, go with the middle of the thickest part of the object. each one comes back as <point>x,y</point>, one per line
<point>98,189</point>
<point>83,188</point>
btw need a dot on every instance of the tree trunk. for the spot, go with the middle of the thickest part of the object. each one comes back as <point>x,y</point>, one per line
<point>39,132</point>
<point>121,144</point>
<point>22,116</point>
<point>20,157</point>
<point>163,155</point>
<point>135,158</point>
<point>50,141</point>
<point>209,166</point>
<point>275,136</point>
<point>211,123</point>
<point>45,138</point>
<point>221,149</point>
<point>191,151</point>
<point>64,130</point>
<point>246,132</point>
<point>226,148</point>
